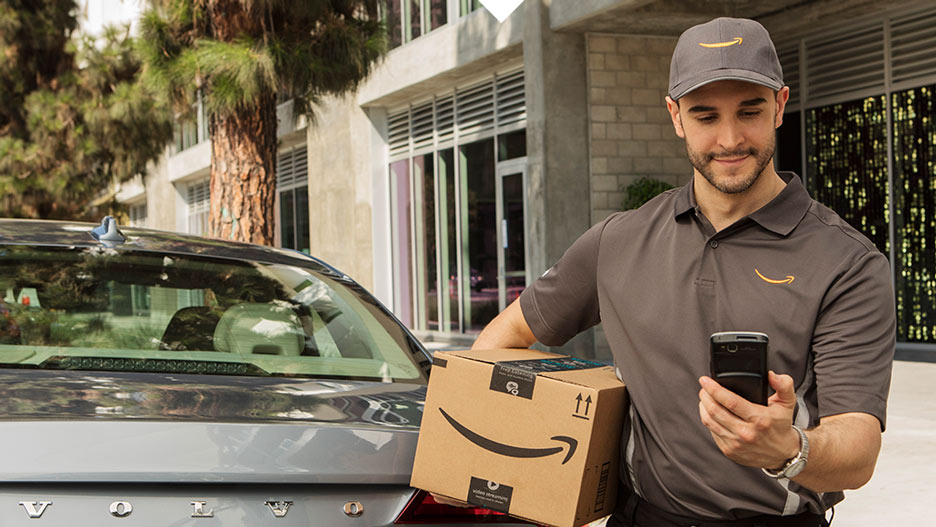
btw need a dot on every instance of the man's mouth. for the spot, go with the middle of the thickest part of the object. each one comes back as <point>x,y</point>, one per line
<point>730,161</point>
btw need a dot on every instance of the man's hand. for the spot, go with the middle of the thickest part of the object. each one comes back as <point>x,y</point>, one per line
<point>751,434</point>
<point>449,501</point>
<point>509,329</point>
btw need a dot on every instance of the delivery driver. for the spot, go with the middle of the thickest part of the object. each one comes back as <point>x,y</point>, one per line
<point>741,247</point>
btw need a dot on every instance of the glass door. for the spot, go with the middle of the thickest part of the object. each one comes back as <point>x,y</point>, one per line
<point>511,234</point>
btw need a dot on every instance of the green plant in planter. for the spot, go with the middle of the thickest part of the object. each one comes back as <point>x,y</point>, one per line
<point>642,191</point>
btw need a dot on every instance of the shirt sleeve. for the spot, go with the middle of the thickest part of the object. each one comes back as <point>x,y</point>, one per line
<point>855,339</point>
<point>564,301</point>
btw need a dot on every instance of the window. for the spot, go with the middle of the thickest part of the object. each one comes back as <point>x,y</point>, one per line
<point>438,13</point>
<point>293,192</point>
<point>402,241</point>
<point>846,159</point>
<point>477,168</point>
<point>138,214</point>
<point>424,178</point>
<point>863,96</point>
<point>457,205</point>
<point>194,130</point>
<point>914,136</point>
<point>198,205</point>
<point>409,19</point>
<point>394,21</point>
<point>467,6</point>
<point>178,313</point>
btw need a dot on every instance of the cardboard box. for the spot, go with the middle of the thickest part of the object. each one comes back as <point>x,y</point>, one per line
<point>533,434</point>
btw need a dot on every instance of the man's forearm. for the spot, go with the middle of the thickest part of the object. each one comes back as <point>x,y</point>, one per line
<point>508,330</point>
<point>843,451</point>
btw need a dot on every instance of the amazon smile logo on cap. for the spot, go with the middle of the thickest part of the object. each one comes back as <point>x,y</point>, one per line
<point>788,280</point>
<point>736,40</point>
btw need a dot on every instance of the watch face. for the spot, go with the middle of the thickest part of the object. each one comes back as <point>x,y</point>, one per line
<point>793,470</point>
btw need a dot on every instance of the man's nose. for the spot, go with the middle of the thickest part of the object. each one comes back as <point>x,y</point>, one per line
<point>730,136</point>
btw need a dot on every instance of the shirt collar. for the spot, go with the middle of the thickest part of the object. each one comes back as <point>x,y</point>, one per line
<point>781,215</point>
<point>685,199</point>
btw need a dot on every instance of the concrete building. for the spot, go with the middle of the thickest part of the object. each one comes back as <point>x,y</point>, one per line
<point>479,150</point>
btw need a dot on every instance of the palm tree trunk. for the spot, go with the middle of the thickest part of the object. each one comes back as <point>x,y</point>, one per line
<point>243,178</point>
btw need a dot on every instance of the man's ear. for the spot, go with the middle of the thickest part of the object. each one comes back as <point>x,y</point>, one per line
<point>782,97</point>
<point>673,108</point>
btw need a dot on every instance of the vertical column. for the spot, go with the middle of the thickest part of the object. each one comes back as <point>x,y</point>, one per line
<point>557,145</point>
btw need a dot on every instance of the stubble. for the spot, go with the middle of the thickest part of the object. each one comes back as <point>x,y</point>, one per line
<point>733,182</point>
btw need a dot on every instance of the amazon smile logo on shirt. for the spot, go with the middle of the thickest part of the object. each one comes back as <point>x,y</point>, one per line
<point>732,42</point>
<point>788,280</point>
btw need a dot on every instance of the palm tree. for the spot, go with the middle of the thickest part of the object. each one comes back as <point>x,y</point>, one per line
<point>240,56</point>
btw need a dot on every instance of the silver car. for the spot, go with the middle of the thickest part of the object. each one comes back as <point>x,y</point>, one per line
<point>158,379</point>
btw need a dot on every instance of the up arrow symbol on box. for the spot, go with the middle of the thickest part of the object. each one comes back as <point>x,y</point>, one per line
<point>578,406</point>
<point>501,9</point>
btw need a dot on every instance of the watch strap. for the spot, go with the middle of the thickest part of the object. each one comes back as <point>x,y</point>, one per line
<point>797,463</point>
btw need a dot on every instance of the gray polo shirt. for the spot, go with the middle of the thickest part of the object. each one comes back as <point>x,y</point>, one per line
<point>661,281</point>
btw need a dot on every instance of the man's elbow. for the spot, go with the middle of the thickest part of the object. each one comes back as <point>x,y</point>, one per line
<point>863,469</point>
<point>850,480</point>
<point>862,475</point>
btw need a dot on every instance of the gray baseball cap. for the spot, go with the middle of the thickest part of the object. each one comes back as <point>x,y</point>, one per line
<point>724,49</point>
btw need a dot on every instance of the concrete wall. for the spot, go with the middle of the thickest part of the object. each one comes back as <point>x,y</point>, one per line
<point>162,198</point>
<point>464,48</point>
<point>631,134</point>
<point>557,146</point>
<point>340,197</point>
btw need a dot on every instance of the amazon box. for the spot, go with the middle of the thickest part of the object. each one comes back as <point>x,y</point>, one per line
<point>533,434</point>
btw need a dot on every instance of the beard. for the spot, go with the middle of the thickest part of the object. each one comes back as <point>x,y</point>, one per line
<point>738,182</point>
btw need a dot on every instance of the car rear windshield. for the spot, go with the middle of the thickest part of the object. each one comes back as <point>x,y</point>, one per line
<point>117,310</point>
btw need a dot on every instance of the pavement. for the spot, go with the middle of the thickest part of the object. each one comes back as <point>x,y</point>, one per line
<point>903,488</point>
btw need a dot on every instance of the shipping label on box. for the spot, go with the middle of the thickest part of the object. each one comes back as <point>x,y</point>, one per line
<point>533,434</point>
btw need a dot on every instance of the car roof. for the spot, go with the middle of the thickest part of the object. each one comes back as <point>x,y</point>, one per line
<point>55,233</point>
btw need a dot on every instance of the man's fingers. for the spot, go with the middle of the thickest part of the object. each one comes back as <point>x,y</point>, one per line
<point>449,501</point>
<point>718,413</point>
<point>783,385</point>
<point>731,401</point>
<point>716,428</point>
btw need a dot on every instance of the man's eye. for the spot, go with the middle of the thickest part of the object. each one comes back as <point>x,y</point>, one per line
<point>749,114</point>
<point>707,119</point>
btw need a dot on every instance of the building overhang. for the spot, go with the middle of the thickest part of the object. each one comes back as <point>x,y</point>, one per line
<point>451,55</point>
<point>672,17</point>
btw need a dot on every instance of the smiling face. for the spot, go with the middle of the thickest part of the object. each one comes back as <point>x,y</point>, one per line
<point>729,128</point>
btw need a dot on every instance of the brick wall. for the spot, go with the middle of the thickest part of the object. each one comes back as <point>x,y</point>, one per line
<point>631,133</point>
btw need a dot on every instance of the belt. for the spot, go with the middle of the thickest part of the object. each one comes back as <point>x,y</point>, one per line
<point>635,511</point>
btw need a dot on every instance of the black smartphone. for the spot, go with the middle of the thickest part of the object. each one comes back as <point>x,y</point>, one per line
<point>739,363</point>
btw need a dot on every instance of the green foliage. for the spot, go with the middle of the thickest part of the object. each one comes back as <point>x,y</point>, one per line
<point>33,39</point>
<point>642,191</point>
<point>236,51</point>
<point>73,117</point>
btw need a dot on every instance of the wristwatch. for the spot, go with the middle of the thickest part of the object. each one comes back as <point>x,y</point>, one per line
<point>797,463</point>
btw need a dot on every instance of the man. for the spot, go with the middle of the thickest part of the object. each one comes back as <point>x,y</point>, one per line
<point>741,247</point>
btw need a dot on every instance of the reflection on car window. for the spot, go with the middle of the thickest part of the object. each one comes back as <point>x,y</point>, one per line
<point>99,308</point>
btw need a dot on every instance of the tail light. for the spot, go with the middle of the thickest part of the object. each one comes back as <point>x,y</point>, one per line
<point>422,508</point>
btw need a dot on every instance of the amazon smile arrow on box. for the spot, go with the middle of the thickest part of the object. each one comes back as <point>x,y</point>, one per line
<point>532,434</point>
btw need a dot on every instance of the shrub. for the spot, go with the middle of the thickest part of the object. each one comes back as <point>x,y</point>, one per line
<point>642,191</point>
